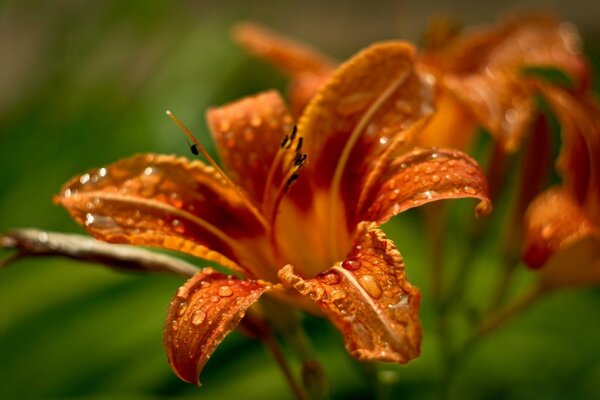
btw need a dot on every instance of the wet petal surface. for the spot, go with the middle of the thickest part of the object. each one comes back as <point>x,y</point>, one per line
<point>368,298</point>
<point>162,201</point>
<point>204,310</point>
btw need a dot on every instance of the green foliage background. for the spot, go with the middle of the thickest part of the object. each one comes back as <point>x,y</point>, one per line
<point>86,83</point>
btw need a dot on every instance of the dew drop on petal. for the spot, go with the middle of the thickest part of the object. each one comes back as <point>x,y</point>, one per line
<point>182,307</point>
<point>148,171</point>
<point>198,317</point>
<point>89,219</point>
<point>225,291</point>
<point>384,140</point>
<point>178,226</point>
<point>435,178</point>
<point>175,325</point>
<point>350,265</point>
<point>214,299</point>
<point>102,172</point>
<point>371,286</point>
<point>469,190</point>
<point>338,294</point>
<point>331,278</point>
<point>85,178</point>
<point>182,292</point>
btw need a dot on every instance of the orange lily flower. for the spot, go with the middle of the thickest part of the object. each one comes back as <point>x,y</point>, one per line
<point>315,243</point>
<point>563,223</point>
<point>481,74</point>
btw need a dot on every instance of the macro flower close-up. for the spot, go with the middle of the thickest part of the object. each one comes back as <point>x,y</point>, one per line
<point>301,217</point>
<point>197,200</point>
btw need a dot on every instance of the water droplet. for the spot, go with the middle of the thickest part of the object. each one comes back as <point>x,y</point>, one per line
<point>175,325</point>
<point>198,317</point>
<point>178,226</point>
<point>255,120</point>
<point>102,172</point>
<point>67,193</point>
<point>214,299</point>
<point>547,231</point>
<point>182,292</point>
<point>403,106</point>
<point>89,219</point>
<point>84,179</point>
<point>452,163</point>
<point>371,286</point>
<point>428,170</point>
<point>354,103</point>
<point>175,200</point>
<point>331,278</point>
<point>384,140</point>
<point>148,171</point>
<point>435,178</point>
<point>434,156</point>
<point>225,291</point>
<point>469,190</point>
<point>338,294</point>
<point>224,125</point>
<point>350,265</point>
<point>182,307</point>
<point>208,270</point>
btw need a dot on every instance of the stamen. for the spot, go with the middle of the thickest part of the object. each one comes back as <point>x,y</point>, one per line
<point>286,143</point>
<point>193,148</point>
<point>299,145</point>
<point>212,162</point>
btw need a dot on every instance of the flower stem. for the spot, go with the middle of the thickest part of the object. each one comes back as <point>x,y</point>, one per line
<point>273,345</point>
<point>495,320</point>
<point>285,321</point>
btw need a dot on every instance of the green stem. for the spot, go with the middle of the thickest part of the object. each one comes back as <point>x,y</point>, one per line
<point>285,321</point>
<point>273,346</point>
<point>495,320</point>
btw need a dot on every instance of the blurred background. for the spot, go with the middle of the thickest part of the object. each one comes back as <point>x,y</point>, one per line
<point>84,83</point>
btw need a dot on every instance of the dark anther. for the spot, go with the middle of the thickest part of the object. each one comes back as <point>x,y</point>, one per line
<point>300,159</point>
<point>293,135</point>
<point>299,145</point>
<point>194,149</point>
<point>284,141</point>
<point>291,181</point>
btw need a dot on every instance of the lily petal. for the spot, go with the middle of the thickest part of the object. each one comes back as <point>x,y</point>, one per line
<point>485,70</point>
<point>292,57</point>
<point>368,299</point>
<point>578,163</point>
<point>553,221</point>
<point>162,201</point>
<point>425,175</point>
<point>205,310</point>
<point>369,99</point>
<point>248,133</point>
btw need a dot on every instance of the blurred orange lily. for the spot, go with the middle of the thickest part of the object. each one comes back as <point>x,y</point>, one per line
<point>315,241</point>
<point>563,223</point>
<point>482,74</point>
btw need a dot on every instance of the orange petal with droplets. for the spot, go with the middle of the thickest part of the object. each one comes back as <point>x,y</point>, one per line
<point>291,56</point>
<point>163,201</point>
<point>554,220</point>
<point>368,298</point>
<point>485,70</point>
<point>425,175</point>
<point>368,100</point>
<point>204,310</point>
<point>248,133</point>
